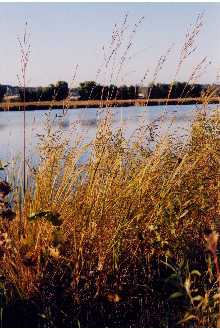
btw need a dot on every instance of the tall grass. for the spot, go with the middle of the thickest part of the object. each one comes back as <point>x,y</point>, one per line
<point>104,228</point>
<point>25,46</point>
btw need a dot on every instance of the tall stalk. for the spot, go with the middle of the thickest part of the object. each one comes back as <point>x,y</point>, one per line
<point>24,45</point>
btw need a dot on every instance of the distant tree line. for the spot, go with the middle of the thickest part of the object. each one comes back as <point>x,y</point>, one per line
<point>91,90</point>
<point>56,92</point>
<point>2,92</point>
<point>94,91</point>
<point>179,89</point>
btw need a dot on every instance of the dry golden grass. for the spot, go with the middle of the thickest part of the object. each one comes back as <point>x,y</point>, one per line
<point>127,204</point>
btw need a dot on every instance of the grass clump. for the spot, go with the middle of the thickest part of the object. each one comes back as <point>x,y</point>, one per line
<point>119,239</point>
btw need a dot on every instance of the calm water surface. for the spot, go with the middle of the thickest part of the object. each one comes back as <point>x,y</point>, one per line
<point>11,124</point>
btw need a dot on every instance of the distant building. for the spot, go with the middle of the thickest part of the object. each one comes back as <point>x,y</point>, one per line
<point>12,98</point>
<point>74,94</point>
<point>12,94</point>
<point>143,92</point>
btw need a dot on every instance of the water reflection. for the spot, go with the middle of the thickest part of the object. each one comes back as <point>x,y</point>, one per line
<point>177,120</point>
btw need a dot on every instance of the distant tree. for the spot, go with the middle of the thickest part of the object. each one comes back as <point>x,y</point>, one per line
<point>91,90</point>
<point>38,93</point>
<point>87,89</point>
<point>113,91</point>
<point>132,92</point>
<point>2,92</point>
<point>195,90</point>
<point>159,91</point>
<point>61,90</point>
<point>123,92</point>
<point>104,92</point>
<point>30,95</point>
<point>179,89</point>
<point>48,93</point>
<point>98,92</point>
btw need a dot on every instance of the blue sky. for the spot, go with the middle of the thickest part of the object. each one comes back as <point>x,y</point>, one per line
<point>66,34</point>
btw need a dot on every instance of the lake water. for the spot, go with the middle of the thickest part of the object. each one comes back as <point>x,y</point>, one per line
<point>11,124</point>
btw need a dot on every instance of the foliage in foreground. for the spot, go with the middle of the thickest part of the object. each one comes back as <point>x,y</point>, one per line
<point>119,239</point>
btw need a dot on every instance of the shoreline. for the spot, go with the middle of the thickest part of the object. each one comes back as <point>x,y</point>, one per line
<point>66,104</point>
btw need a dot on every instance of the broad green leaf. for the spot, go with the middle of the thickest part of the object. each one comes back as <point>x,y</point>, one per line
<point>195,272</point>
<point>197,298</point>
<point>175,295</point>
<point>173,278</point>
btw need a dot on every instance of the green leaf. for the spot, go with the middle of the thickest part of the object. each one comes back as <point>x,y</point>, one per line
<point>197,298</point>
<point>188,318</point>
<point>172,278</point>
<point>195,272</point>
<point>175,295</point>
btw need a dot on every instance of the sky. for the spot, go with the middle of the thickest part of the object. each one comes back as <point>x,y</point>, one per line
<point>64,35</point>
